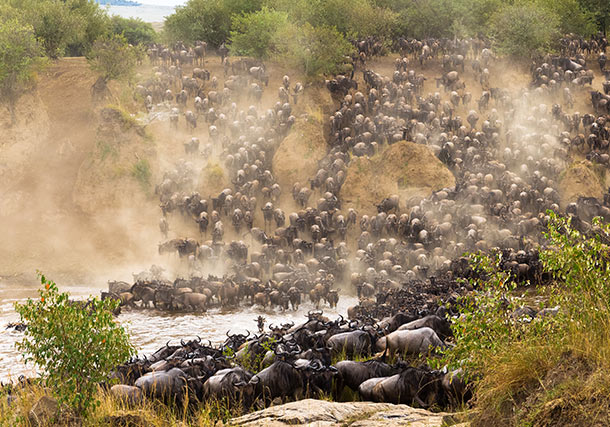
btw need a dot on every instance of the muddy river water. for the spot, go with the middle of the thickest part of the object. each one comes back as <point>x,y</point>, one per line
<point>149,329</point>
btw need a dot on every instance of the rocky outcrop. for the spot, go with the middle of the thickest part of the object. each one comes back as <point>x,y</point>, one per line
<point>43,411</point>
<point>322,413</point>
<point>405,168</point>
<point>297,157</point>
<point>580,180</point>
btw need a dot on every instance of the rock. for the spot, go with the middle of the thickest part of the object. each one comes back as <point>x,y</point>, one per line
<point>407,169</point>
<point>322,413</point>
<point>297,157</point>
<point>43,410</point>
<point>125,420</point>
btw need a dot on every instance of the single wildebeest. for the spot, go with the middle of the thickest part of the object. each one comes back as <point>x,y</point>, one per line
<point>411,386</point>
<point>232,384</point>
<point>352,343</point>
<point>441,326</point>
<point>167,386</point>
<point>352,374</point>
<point>418,341</point>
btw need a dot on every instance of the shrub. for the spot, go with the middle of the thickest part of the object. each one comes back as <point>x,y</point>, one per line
<point>135,31</point>
<point>254,34</point>
<point>142,173</point>
<point>19,58</point>
<point>315,50</point>
<point>95,23</point>
<point>523,29</point>
<point>76,345</point>
<point>207,20</point>
<point>112,58</point>
<point>55,26</point>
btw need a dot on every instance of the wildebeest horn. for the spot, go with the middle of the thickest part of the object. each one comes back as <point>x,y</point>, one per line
<point>246,336</point>
<point>167,343</point>
<point>229,336</point>
<point>182,343</point>
<point>198,339</point>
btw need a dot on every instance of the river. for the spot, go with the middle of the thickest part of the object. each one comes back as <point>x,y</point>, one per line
<point>149,329</point>
<point>146,12</point>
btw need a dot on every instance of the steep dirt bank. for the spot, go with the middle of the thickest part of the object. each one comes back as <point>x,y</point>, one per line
<point>405,168</point>
<point>47,219</point>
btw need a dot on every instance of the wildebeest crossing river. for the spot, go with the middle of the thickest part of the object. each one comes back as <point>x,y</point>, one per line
<point>149,329</point>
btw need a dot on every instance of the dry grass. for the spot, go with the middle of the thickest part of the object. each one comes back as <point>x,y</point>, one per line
<point>111,411</point>
<point>560,380</point>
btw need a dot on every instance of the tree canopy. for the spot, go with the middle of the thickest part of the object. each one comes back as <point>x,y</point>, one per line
<point>112,58</point>
<point>19,56</point>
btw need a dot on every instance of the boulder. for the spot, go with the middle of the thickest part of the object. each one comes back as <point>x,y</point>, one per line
<point>324,413</point>
<point>43,411</point>
<point>580,180</point>
<point>407,169</point>
<point>297,157</point>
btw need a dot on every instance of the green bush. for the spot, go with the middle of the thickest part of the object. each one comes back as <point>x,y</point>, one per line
<point>112,58</point>
<point>524,29</point>
<point>55,26</point>
<point>573,17</point>
<point>63,26</point>
<point>142,173</point>
<point>254,34</point>
<point>95,24</point>
<point>19,57</point>
<point>135,31</point>
<point>75,345</point>
<point>317,51</point>
<point>207,20</point>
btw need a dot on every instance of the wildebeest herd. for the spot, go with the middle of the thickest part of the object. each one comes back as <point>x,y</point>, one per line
<point>506,146</point>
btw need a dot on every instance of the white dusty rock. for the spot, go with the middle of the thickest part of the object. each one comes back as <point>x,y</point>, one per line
<point>42,411</point>
<point>321,413</point>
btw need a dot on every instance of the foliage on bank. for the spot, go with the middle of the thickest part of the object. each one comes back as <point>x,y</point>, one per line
<point>549,370</point>
<point>74,344</point>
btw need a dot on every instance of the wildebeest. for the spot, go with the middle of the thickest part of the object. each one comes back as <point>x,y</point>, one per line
<point>417,341</point>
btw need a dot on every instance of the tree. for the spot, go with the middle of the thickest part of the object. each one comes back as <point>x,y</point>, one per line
<point>254,33</point>
<point>207,20</point>
<point>135,31</point>
<point>317,51</point>
<point>523,29</point>
<point>55,25</point>
<point>601,12</point>
<point>95,23</point>
<point>19,58</point>
<point>76,344</point>
<point>573,18</point>
<point>113,59</point>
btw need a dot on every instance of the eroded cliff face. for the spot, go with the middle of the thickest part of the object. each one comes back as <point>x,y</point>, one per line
<point>405,168</point>
<point>58,208</point>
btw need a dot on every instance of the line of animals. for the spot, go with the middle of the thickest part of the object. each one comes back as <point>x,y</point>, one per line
<point>292,362</point>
